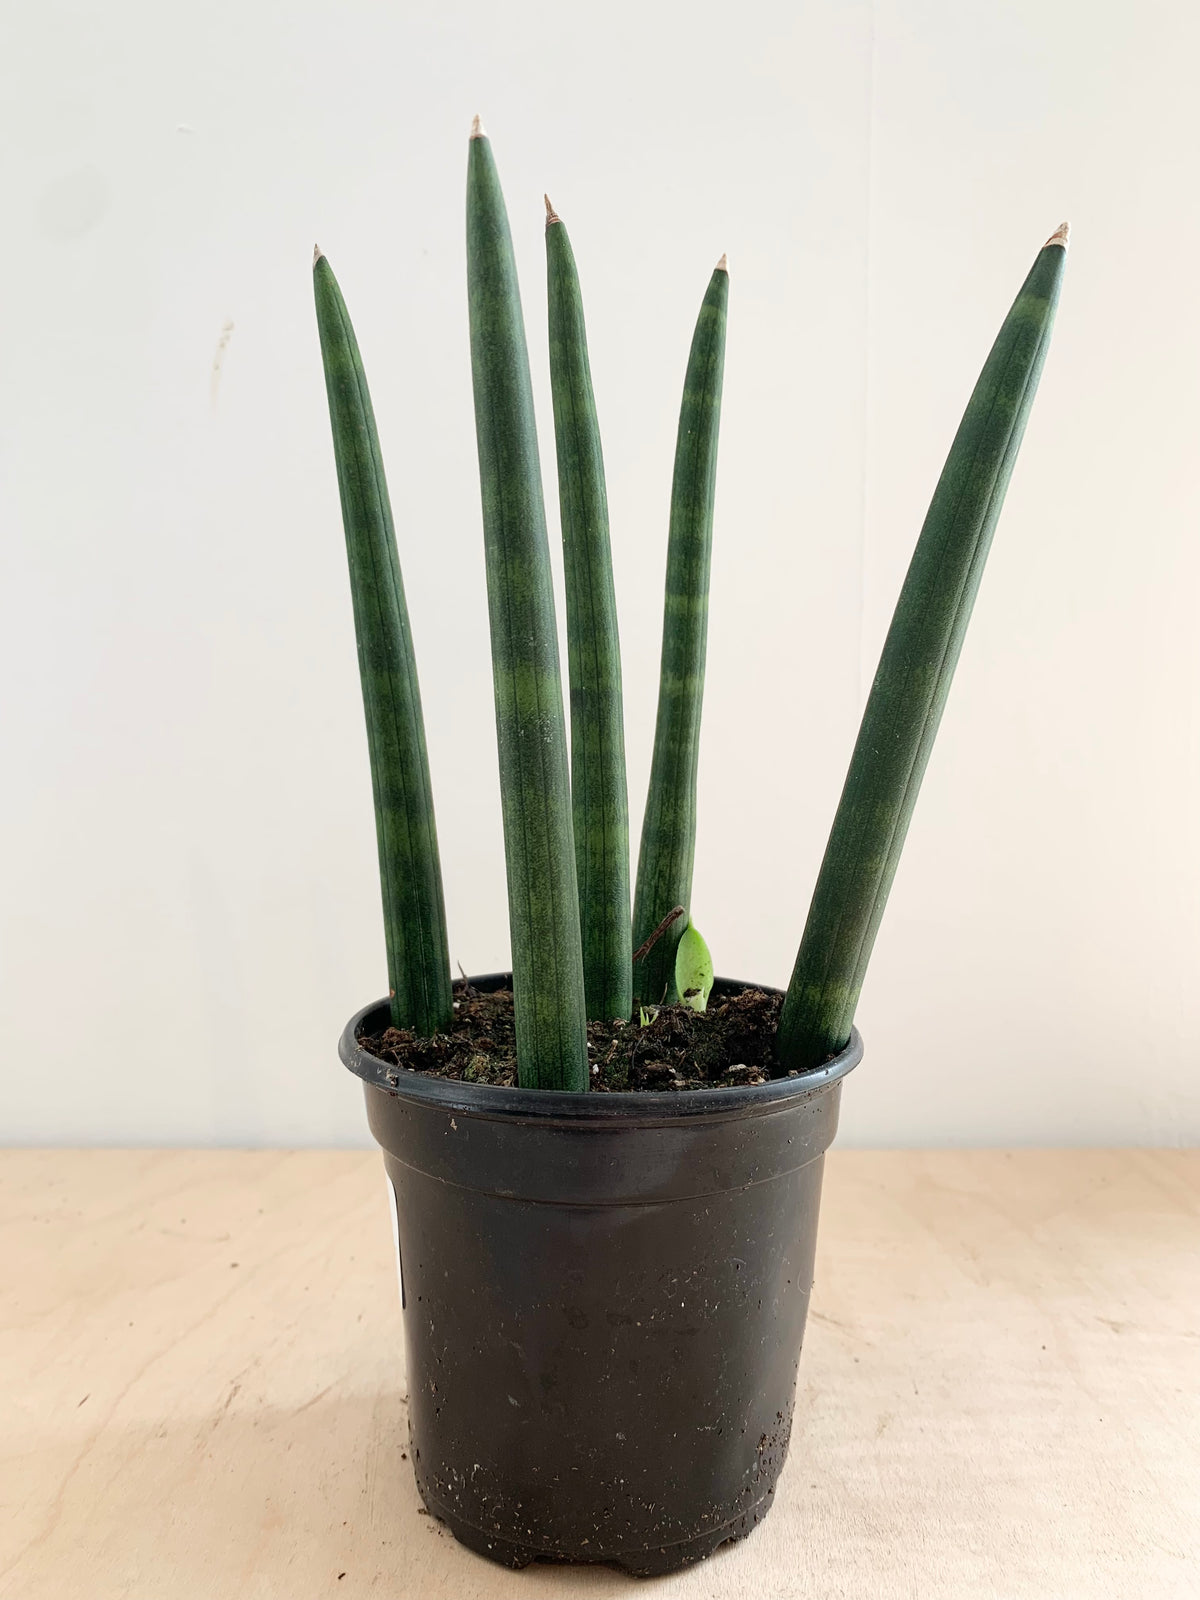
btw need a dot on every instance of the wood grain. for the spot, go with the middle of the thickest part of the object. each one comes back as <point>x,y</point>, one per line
<point>202,1371</point>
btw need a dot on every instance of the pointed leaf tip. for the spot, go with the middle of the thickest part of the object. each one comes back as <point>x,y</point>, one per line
<point>551,214</point>
<point>477,129</point>
<point>723,264</point>
<point>1061,236</point>
<point>317,253</point>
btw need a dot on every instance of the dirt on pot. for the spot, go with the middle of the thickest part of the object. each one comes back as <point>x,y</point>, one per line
<point>730,1045</point>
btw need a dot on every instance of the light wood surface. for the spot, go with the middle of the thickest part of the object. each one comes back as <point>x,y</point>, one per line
<point>202,1377</point>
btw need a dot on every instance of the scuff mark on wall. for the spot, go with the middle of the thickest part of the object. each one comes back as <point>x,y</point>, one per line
<point>218,361</point>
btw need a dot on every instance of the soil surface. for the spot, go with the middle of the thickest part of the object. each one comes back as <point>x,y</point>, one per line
<point>728,1046</point>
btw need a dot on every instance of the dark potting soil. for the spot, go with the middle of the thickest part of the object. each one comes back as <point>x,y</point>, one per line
<point>728,1046</point>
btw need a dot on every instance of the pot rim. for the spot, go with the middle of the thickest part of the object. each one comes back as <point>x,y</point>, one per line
<point>638,1107</point>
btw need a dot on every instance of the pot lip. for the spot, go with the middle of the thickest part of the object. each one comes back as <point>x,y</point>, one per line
<point>560,1105</point>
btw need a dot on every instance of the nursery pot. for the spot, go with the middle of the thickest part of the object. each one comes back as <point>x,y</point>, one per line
<point>603,1298</point>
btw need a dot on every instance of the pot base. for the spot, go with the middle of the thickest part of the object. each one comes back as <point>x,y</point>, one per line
<point>637,1563</point>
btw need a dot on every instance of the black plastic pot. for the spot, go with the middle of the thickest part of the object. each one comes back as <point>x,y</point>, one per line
<point>604,1300</point>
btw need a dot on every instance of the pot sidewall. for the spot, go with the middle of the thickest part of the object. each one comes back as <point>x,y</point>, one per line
<point>603,1314</point>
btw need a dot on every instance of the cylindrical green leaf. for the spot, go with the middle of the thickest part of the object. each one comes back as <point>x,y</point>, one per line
<point>599,797</point>
<point>668,846</point>
<point>913,679</point>
<point>414,915</point>
<point>535,793</point>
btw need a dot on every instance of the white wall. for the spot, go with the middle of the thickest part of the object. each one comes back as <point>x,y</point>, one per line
<point>189,904</point>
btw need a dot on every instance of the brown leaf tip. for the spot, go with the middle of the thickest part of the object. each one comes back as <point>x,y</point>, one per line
<point>551,214</point>
<point>477,129</point>
<point>723,264</point>
<point>318,254</point>
<point>1060,236</point>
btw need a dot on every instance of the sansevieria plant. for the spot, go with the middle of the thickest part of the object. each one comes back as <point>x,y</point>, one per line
<point>579,953</point>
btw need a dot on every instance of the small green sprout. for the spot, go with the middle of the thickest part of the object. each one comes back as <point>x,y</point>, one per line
<point>693,969</point>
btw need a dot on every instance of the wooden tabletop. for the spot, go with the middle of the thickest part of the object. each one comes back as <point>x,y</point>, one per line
<point>203,1378</point>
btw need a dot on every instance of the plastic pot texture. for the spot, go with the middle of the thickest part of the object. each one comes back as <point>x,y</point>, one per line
<point>604,1299</point>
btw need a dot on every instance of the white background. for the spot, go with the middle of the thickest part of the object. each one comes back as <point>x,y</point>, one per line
<point>189,908</point>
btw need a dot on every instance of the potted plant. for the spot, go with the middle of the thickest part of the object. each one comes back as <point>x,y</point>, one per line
<point>605,1168</point>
